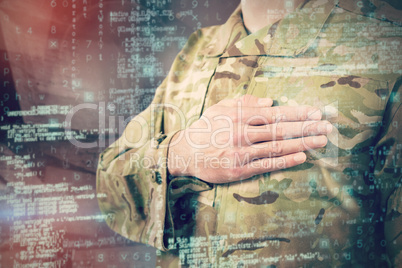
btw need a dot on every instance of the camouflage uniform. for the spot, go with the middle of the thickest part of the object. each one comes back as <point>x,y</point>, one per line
<point>344,58</point>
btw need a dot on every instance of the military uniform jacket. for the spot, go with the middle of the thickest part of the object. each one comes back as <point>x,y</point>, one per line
<point>343,57</point>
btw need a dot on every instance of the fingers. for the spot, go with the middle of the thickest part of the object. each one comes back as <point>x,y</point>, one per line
<point>285,147</point>
<point>270,115</point>
<point>273,156</point>
<point>265,165</point>
<point>263,138</point>
<point>258,111</point>
<point>284,130</point>
<point>247,101</point>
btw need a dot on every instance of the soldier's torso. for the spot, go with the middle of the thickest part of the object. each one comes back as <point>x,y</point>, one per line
<point>325,210</point>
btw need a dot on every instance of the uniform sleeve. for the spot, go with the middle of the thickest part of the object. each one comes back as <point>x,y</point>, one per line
<point>132,176</point>
<point>388,170</point>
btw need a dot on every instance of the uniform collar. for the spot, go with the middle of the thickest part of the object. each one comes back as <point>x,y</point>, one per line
<point>291,36</point>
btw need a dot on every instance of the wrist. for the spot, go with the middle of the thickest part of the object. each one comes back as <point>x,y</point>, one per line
<point>176,162</point>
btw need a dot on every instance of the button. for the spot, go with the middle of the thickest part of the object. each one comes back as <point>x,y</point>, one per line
<point>158,177</point>
<point>159,139</point>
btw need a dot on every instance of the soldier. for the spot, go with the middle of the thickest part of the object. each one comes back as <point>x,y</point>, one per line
<point>273,141</point>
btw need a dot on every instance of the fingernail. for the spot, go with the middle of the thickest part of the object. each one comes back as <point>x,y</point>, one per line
<point>329,128</point>
<point>299,158</point>
<point>264,101</point>
<point>314,115</point>
<point>319,140</point>
<point>324,127</point>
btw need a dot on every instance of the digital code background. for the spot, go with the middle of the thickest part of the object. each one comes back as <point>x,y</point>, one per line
<point>73,73</point>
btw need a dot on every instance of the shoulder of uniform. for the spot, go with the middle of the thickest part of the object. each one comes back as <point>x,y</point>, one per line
<point>388,10</point>
<point>201,37</point>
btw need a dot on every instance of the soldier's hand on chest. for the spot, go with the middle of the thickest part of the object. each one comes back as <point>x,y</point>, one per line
<point>236,139</point>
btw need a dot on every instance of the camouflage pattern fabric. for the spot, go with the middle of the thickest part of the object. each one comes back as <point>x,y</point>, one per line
<point>339,209</point>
